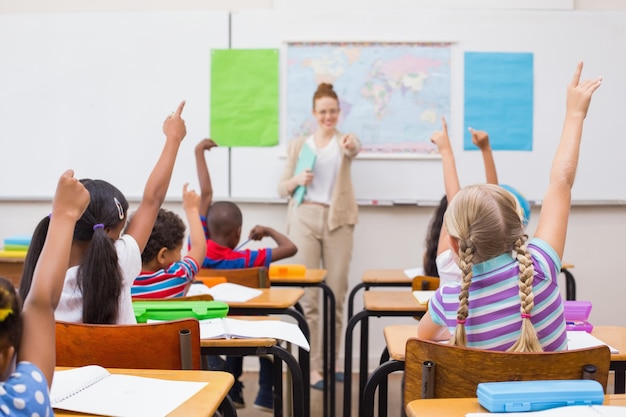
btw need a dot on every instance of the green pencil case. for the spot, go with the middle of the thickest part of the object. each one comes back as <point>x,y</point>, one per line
<point>175,310</point>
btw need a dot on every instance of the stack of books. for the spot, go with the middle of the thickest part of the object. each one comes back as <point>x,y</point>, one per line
<point>15,247</point>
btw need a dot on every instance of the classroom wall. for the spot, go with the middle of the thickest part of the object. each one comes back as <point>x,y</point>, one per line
<point>389,237</point>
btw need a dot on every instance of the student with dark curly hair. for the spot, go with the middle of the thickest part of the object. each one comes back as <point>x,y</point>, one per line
<point>163,273</point>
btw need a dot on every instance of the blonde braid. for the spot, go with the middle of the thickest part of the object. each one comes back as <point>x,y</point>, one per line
<point>528,340</point>
<point>465,264</point>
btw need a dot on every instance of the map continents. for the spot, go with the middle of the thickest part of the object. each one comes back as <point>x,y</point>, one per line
<point>392,95</point>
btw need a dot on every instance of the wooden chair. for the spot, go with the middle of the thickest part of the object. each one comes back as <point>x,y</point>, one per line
<point>458,370</point>
<point>166,345</point>
<point>250,277</point>
<point>425,283</point>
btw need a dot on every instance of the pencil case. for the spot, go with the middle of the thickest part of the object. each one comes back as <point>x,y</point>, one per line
<point>516,396</point>
<point>282,270</point>
<point>175,310</point>
<point>577,315</point>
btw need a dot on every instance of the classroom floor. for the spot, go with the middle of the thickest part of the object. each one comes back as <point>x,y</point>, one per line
<point>250,381</point>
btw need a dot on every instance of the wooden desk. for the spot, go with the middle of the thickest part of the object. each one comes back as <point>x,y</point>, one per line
<point>315,278</point>
<point>12,268</point>
<point>378,278</point>
<point>270,298</point>
<point>203,404</point>
<point>458,407</point>
<point>378,304</point>
<point>616,337</point>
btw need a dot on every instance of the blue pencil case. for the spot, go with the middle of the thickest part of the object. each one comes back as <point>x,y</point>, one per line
<point>175,310</point>
<point>516,396</point>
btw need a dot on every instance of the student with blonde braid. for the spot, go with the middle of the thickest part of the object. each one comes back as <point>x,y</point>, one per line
<point>509,298</point>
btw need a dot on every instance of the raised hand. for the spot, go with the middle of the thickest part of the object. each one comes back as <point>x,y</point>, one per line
<point>579,93</point>
<point>480,138</point>
<point>206,144</point>
<point>191,199</point>
<point>174,125</point>
<point>440,137</point>
<point>71,197</point>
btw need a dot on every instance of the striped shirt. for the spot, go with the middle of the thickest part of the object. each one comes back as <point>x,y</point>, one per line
<point>166,283</point>
<point>493,321</point>
<point>221,257</point>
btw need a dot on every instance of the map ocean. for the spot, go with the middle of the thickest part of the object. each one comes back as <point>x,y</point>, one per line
<point>391,95</point>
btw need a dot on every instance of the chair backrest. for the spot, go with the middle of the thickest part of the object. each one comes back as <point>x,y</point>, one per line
<point>425,283</point>
<point>166,345</point>
<point>459,370</point>
<point>250,277</point>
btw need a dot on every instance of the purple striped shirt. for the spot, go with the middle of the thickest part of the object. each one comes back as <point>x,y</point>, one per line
<point>494,320</point>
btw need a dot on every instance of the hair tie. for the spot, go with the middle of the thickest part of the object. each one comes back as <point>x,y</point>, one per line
<point>98,226</point>
<point>525,316</point>
<point>4,313</point>
<point>458,321</point>
<point>50,215</point>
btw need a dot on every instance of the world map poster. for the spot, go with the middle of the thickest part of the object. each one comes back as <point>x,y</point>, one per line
<point>391,95</point>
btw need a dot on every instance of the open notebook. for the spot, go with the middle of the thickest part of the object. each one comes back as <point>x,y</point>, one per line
<point>93,390</point>
<point>579,339</point>
<point>227,328</point>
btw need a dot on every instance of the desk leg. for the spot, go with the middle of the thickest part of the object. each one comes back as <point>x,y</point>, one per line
<point>278,387</point>
<point>303,357</point>
<point>227,408</point>
<point>382,387</point>
<point>364,355</point>
<point>376,380</point>
<point>329,341</point>
<point>347,368</point>
<point>351,296</point>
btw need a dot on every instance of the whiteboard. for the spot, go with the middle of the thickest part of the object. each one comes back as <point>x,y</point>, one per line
<point>557,39</point>
<point>90,91</point>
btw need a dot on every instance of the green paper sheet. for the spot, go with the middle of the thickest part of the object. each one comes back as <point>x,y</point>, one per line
<point>244,97</point>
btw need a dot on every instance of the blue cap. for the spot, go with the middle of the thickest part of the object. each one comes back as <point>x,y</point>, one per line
<point>524,204</point>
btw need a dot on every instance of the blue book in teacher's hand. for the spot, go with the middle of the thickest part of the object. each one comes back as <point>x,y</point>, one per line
<point>306,160</point>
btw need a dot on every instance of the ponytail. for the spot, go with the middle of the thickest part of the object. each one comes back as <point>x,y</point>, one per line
<point>100,280</point>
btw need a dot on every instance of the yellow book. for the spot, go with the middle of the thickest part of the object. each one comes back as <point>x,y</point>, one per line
<point>13,254</point>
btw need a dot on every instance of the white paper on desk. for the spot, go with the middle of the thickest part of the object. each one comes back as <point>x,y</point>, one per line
<point>423,297</point>
<point>236,328</point>
<point>568,411</point>
<point>414,272</point>
<point>226,292</point>
<point>93,390</point>
<point>579,339</point>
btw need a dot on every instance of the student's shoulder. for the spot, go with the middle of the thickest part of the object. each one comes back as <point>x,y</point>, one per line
<point>539,248</point>
<point>29,377</point>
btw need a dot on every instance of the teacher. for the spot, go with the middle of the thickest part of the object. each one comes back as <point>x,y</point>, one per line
<point>322,225</point>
